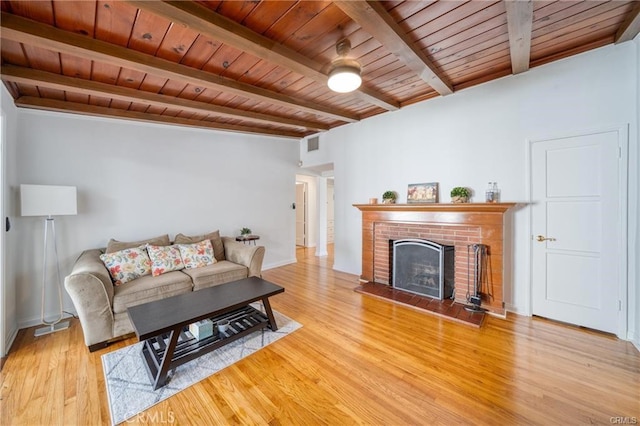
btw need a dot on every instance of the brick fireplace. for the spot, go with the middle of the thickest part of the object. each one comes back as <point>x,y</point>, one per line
<point>458,225</point>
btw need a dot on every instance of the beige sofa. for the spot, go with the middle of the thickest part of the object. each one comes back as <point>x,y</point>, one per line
<point>102,307</point>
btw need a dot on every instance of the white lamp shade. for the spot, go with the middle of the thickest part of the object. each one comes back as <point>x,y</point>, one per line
<point>344,79</point>
<point>48,200</point>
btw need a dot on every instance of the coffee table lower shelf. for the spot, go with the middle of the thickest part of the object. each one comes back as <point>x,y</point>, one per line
<point>242,321</point>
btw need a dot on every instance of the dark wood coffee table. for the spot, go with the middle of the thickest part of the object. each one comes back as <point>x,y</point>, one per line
<point>163,324</point>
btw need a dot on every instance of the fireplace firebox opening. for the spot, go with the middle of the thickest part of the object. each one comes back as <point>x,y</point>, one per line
<point>423,267</point>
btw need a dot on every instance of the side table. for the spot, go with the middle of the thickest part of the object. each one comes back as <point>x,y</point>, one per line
<point>248,238</point>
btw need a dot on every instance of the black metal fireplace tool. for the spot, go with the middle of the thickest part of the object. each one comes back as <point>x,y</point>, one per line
<point>480,268</point>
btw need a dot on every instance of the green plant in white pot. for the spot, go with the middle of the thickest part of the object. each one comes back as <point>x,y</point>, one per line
<point>389,197</point>
<point>460,194</point>
<point>245,232</point>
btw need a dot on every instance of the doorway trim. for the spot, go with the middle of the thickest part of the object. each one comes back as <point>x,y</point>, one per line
<point>305,212</point>
<point>625,288</point>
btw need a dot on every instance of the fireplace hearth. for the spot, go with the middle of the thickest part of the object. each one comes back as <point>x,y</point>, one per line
<point>423,267</point>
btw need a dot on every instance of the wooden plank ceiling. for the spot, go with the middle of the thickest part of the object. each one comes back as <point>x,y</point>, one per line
<point>261,66</point>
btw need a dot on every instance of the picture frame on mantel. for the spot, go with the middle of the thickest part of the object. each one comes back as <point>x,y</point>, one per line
<point>422,193</point>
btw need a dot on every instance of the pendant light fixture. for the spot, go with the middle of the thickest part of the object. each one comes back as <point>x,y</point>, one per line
<point>344,76</point>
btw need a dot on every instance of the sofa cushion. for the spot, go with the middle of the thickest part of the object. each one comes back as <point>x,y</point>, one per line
<point>149,288</point>
<point>218,273</point>
<point>164,259</point>
<point>115,245</point>
<point>197,255</point>
<point>127,265</point>
<point>214,237</point>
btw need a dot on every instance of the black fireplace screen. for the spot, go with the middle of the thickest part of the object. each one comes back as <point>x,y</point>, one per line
<point>423,267</point>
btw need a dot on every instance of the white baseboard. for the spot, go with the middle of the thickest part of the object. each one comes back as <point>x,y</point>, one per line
<point>278,264</point>
<point>515,310</point>
<point>634,338</point>
<point>10,339</point>
<point>341,268</point>
<point>32,322</point>
<point>496,315</point>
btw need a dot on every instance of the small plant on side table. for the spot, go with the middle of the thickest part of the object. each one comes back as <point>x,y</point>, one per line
<point>460,194</point>
<point>245,232</point>
<point>389,197</point>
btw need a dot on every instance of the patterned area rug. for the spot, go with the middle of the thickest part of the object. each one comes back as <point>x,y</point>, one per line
<point>128,385</point>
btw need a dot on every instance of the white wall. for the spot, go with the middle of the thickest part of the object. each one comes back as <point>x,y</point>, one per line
<point>138,180</point>
<point>479,135</point>
<point>8,294</point>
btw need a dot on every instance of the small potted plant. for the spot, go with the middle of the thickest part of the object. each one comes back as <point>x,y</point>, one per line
<point>245,232</point>
<point>460,194</point>
<point>389,197</point>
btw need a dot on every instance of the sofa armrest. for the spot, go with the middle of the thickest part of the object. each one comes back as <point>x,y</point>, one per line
<point>91,291</point>
<point>246,255</point>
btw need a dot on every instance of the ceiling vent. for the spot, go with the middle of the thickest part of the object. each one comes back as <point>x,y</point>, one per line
<point>313,143</point>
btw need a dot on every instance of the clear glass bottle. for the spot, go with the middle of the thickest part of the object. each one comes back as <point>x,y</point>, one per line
<point>489,193</point>
<point>496,192</point>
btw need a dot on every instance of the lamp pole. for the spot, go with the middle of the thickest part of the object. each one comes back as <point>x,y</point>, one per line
<point>57,325</point>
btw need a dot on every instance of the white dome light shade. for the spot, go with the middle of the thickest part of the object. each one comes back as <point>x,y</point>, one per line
<point>344,78</point>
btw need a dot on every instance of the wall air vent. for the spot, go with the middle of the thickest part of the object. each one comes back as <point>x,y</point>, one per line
<point>313,143</point>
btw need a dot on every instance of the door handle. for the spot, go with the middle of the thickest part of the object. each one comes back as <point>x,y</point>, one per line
<point>542,238</point>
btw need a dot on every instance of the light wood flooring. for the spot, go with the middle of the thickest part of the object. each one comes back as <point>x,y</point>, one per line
<point>356,360</point>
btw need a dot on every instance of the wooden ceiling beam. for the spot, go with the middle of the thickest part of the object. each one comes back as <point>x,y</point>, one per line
<point>630,27</point>
<point>207,22</point>
<point>30,32</point>
<point>375,20</point>
<point>98,111</point>
<point>93,88</point>
<point>519,24</point>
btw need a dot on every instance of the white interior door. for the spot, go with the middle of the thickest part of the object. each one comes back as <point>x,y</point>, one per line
<point>3,322</point>
<point>577,231</point>
<point>330,211</point>
<point>301,217</point>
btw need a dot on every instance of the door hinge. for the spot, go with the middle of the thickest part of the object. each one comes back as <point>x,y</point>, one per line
<point>619,152</point>
<point>619,305</point>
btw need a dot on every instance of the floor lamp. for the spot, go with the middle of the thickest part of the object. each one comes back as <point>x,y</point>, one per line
<point>49,201</point>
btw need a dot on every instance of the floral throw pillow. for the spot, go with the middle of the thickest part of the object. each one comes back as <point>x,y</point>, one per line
<point>197,255</point>
<point>164,259</point>
<point>127,265</point>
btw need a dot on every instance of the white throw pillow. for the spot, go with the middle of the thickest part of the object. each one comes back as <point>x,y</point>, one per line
<point>127,265</point>
<point>197,255</point>
<point>164,259</point>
